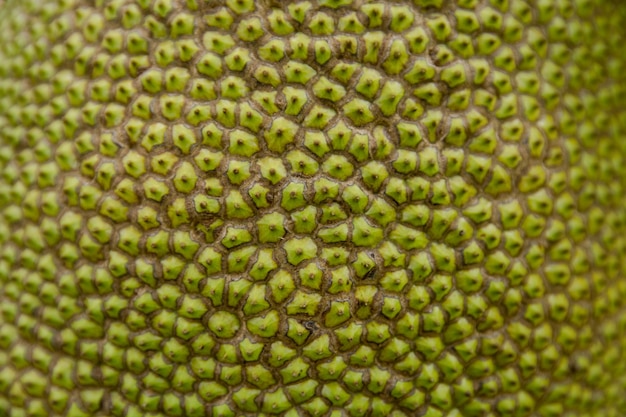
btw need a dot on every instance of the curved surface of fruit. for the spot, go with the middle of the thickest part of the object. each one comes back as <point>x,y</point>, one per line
<point>311,208</point>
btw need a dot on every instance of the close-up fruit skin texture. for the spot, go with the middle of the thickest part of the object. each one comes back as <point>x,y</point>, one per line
<point>344,208</point>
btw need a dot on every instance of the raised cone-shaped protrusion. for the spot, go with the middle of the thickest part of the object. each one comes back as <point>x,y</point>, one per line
<point>224,324</point>
<point>264,326</point>
<point>338,313</point>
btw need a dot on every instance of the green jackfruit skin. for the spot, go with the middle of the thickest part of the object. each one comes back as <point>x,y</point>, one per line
<point>313,208</point>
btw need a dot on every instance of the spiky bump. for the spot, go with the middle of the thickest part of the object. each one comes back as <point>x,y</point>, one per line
<point>314,208</point>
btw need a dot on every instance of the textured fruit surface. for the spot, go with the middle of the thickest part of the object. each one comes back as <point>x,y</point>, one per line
<point>312,208</point>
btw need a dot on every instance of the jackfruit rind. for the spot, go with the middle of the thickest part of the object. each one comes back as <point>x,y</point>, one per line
<point>308,208</point>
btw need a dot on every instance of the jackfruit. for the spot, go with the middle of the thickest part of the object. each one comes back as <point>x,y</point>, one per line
<point>312,208</point>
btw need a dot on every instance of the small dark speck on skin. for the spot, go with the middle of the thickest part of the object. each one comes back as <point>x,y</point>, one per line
<point>310,325</point>
<point>370,273</point>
